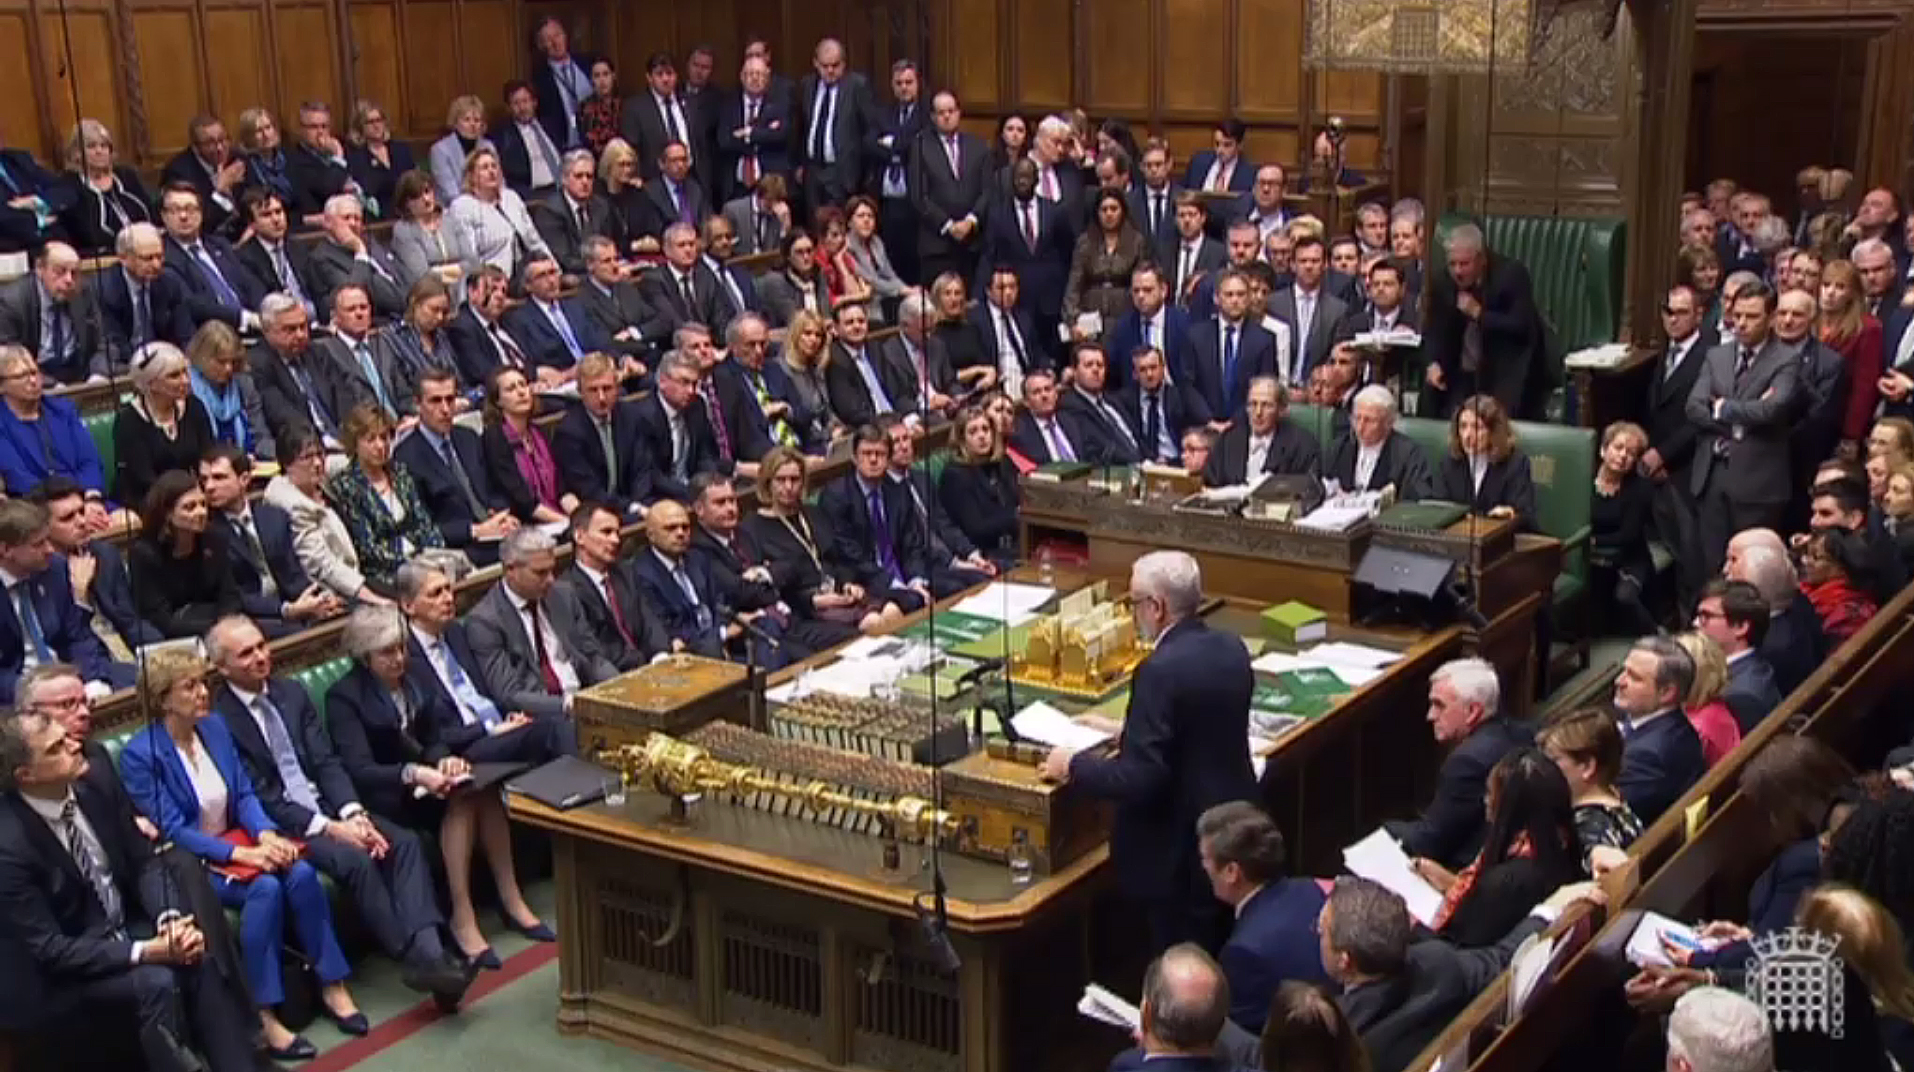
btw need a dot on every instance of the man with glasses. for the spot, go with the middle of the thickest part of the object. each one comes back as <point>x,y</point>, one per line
<point>447,463</point>
<point>217,286</point>
<point>209,165</point>
<point>1671,435</point>
<point>1735,617</point>
<point>316,166</point>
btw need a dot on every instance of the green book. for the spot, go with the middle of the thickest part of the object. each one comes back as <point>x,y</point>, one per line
<point>1295,624</point>
<point>1430,514</point>
<point>1058,472</point>
<point>1277,700</point>
<point>1311,681</point>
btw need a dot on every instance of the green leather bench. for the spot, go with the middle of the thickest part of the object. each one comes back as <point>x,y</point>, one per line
<point>100,427</point>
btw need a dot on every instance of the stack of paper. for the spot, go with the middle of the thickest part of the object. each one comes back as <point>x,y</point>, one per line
<point>1102,1006</point>
<point>1007,602</point>
<point>1334,516</point>
<point>1046,725</point>
<point>1379,859</point>
<point>1346,661</point>
<point>1607,355</point>
<point>1379,340</point>
<point>1645,945</point>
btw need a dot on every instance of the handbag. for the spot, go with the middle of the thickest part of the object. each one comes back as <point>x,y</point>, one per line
<point>238,872</point>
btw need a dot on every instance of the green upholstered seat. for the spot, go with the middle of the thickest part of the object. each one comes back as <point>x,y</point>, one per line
<point>1431,435</point>
<point>1562,463</point>
<point>318,678</point>
<point>1316,420</point>
<point>100,427</point>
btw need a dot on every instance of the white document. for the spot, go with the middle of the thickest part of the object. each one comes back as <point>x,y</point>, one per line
<point>1006,601</point>
<point>1344,653</point>
<point>1281,662</point>
<point>1334,517</point>
<point>555,529</point>
<point>1644,946</point>
<point>1607,355</point>
<point>1382,340</point>
<point>1044,724</point>
<point>1105,1007</point>
<point>1379,859</point>
<point>1091,323</point>
<point>1526,968</point>
<point>563,390</point>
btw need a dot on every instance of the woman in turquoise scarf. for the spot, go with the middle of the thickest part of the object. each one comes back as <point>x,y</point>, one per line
<point>214,361</point>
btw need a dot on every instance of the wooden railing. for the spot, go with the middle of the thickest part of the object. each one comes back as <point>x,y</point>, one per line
<point>1699,858</point>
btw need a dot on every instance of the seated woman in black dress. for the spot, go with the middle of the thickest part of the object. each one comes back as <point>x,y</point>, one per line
<point>794,538</point>
<point>162,427</point>
<point>1483,470</point>
<point>392,740</point>
<point>978,488</point>
<point>181,574</point>
<point>963,342</point>
<point>1530,850</point>
<point>1618,560</point>
<point>1587,745</point>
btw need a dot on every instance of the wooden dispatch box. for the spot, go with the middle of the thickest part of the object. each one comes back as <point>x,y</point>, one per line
<point>1003,795</point>
<point>672,696</point>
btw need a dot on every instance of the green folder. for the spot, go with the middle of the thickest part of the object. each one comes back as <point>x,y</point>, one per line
<point>1428,514</point>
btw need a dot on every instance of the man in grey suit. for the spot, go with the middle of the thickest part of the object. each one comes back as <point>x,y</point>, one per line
<point>573,213</point>
<point>1315,316</point>
<point>761,217</point>
<point>1744,402</point>
<point>613,302</point>
<point>347,255</point>
<point>50,311</point>
<point>530,637</point>
<point>950,187</point>
<point>361,365</point>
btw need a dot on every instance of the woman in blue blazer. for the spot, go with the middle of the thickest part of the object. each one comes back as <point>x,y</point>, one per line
<point>41,436</point>
<point>184,769</point>
<point>391,738</point>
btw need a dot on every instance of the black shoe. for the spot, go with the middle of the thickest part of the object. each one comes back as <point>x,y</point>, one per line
<point>537,932</point>
<point>484,958</point>
<point>437,977</point>
<point>355,1025</point>
<point>297,1050</point>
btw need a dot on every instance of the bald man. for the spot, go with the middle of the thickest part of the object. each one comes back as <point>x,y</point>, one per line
<point>1824,376</point>
<point>834,111</point>
<point>51,313</point>
<point>677,584</point>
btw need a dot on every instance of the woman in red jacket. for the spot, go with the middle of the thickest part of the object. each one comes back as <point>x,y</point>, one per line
<point>1847,329</point>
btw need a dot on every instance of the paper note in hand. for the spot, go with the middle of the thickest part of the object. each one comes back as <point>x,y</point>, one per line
<point>1044,724</point>
<point>1105,1007</point>
<point>1644,946</point>
<point>1379,859</point>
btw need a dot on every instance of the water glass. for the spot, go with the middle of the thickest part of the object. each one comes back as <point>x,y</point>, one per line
<point>615,791</point>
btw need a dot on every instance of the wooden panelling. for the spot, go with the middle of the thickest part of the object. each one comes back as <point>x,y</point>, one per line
<point>971,52</point>
<point>20,121</point>
<point>375,60</point>
<point>1046,53</point>
<point>1116,58</point>
<point>239,79</point>
<point>86,36</point>
<point>1354,95</point>
<point>1269,48</point>
<point>493,49</point>
<point>308,65</point>
<point>170,53</point>
<point>1193,69</point>
<point>432,75</point>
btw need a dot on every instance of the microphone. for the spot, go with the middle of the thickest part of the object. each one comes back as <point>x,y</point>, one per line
<point>933,924</point>
<point>976,673</point>
<point>753,629</point>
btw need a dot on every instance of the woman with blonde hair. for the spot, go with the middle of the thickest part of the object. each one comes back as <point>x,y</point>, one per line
<point>1848,330</point>
<point>376,159</point>
<point>1620,566</point>
<point>216,366</point>
<point>796,541</point>
<point>494,216</point>
<point>806,355</point>
<point>1894,437</point>
<point>1897,510</point>
<point>465,135</point>
<point>1714,723</point>
<point>1880,985</point>
<point>265,155</point>
<point>634,219</point>
<point>110,194</point>
<point>378,500</point>
<point>1698,268</point>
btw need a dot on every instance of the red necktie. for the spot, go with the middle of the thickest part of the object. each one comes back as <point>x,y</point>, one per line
<point>1030,224</point>
<point>717,420</point>
<point>545,668</point>
<point>617,613</point>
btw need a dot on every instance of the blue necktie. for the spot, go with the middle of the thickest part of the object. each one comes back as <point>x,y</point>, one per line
<point>879,400</point>
<point>469,699</point>
<point>366,365</point>
<point>1229,367</point>
<point>30,622</point>
<point>224,290</point>
<point>881,535</point>
<point>319,413</point>
<point>564,330</point>
<point>7,178</point>
<point>285,757</point>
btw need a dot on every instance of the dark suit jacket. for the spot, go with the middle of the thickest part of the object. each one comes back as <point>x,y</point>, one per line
<point>1795,645</point>
<point>452,730</point>
<point>614,311</point>
<point>112,596</point>
<point>215,218</point>
<point>345,381</point>
<point>544,347</point>
<point>1107,444</point>
<point>942,197</point>
<point>581,457</point>
<point>515,156</point>
<point>1750,693</point>
<point>1450,829</point>
<point>641,618</point>
<point>847,513</point>
<point>86,345</point>
<point>1195,291</point>
<point>1273,942</point>
<point>984,317</point>
<point>1659,762</point>
<point>1763,404</point>
<point>334,266</point>
<point>1127,337</point>
<point>373,746</point>
<point>1182,751</point>
<point>1402,464</point>
<point>1163,237</point>
<point>1398,1016</point>
<point>171,318</point>
<point>1041,273</point>
<point>659,290</point>
<point>298,257</point>
<point>1330,326</point>
<point>552,113</point>
<point>314,179</point>
<point>20,229</point>
<point>1512,337</point>
<point>850,117</point>
<point>982,500</point>
<point>1824,379</point>
<point>1176,412</point>
<point>507,658</point>
<point>439,488</point>
<point>67,629</point>
<point>1241,180</point>
<point>1670,431</point>
<point>556,223</point>
<point>202,299</point>
<point>275,539</point>
<point>1292,450</point>
<point>1504,483</point>
<point>310,739</point>
<point>1255,356</point>
<point>1028,440</point>
<point>666,211</point>
<point>654,434</point>
<point>768,139</point>
<point>284,400</point>
<point>642,124</point>
<point>851,400</point>
<point>473,346</point>
<point>701,634</point>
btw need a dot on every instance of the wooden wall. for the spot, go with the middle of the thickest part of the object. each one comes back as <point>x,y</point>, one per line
<point>145,67</point>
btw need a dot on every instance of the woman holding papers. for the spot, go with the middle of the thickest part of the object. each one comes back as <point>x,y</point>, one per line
<point>1586,746</point>
<point>1530,851</point>
<point>1100,267</point>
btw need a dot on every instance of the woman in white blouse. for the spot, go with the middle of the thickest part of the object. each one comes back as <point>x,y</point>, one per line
<point>494,216</point>
<point>319,535</point>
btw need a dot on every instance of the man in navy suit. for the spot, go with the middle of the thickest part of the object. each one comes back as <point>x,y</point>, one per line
<point>699,616</point>
<point>861,385</point>
<point>303,786</point>
<point>447,464</point>
<point>1183,749</point>
<point>1734,616</point>
<point>1042,431</point>
<point>138,300</point>
<point>1274,940</point>
<point>737,288</point>
<point>1222,167</point>
<point>1113,440</point>
<point>605,585</point>
<point>216,284</point>
<point>561,83</point>
<point>1796,643</point>
<point>894,130</point>
<point>1897,382</point>
<point>1661,753</point>
<point>950,186</point>
<point>1153,321</point>
<point>1464,701</point>
<point>31,202</point>
<point>41,622</point>
<point>1009,333</point>
<point>1184,1018</point>
<point>95,569</point>
<point>273,586</point>
<point>675,192</point>
<point>658,116</point>
<point>1227,352</point>
<point>527,155</point>
<point>754,131</point>
<point>1159,410</point>
<point>1031,236</point>
<point>600,456</point>
<point>554,331</point>
<point>767,400</point>
<point>869,520</point>
<point>835,114</point>
<point>1153,202</point>
<point>674,430</point>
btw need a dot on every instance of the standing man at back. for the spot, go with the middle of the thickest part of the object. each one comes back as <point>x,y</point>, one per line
<point>837,110</point>
<point>1744,403</point>
<point>1184,749</point>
